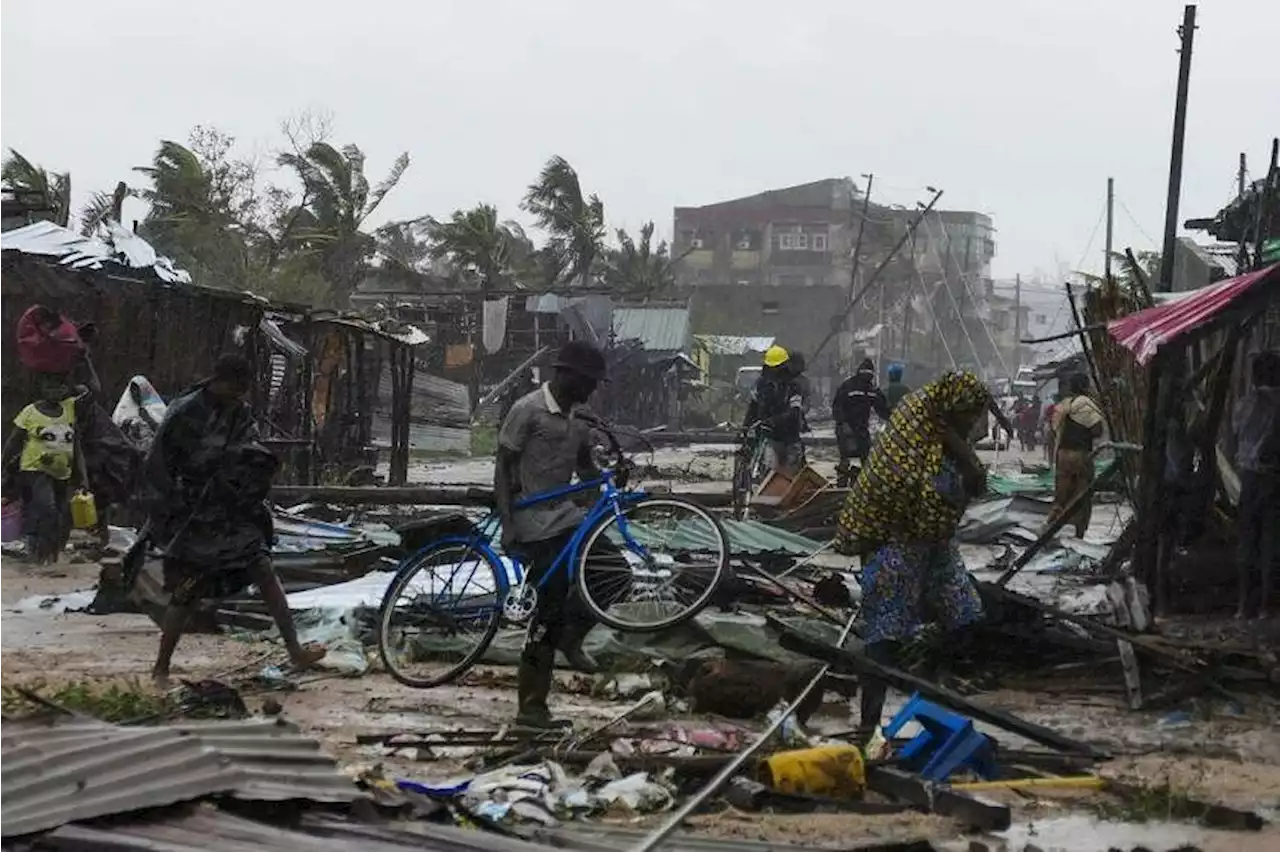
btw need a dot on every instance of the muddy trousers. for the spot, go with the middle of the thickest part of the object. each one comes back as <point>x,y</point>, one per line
<point>560,622</point>
<point>853,442</point>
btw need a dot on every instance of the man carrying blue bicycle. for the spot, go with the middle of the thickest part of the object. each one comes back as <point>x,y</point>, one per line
<point>541,445</point>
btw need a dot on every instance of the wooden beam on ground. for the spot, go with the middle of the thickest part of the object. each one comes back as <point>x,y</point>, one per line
<point>435,495</point>
<point>973,811</point>
<point>845,659</point>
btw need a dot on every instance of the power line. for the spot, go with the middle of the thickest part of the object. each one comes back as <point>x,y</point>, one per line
<point>994,347</point>
<point>1102,214</point>
<point>1134,220</point>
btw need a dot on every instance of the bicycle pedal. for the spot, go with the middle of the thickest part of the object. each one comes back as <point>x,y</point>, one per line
<point>520,603</point>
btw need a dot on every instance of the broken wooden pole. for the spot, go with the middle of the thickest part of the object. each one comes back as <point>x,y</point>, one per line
<point>794,640</point>
<point>1065,517</point>
<point>435,495</point>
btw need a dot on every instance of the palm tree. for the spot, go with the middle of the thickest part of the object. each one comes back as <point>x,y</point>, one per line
<point>574,221</point>
<point>477,244</point>
<point>337,202</point>
<point>401,244</point>
<point>639,268</point>
<point>49,192</point>
<point>102,208</point>
<point>191,218</point>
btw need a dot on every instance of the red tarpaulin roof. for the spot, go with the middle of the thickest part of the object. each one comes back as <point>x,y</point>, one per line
<point>1146,331</point>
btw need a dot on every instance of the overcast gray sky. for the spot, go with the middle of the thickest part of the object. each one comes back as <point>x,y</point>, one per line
<point>1019,108</point>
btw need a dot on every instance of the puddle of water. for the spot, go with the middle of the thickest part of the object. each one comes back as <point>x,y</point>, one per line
<point>55,604</point>
<point>1081,833</point>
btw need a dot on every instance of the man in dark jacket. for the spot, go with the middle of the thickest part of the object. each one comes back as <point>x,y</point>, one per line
<point>851,408</point>
<point>778,402</point>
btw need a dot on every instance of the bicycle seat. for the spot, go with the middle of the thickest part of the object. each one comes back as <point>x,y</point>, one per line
<point>481,497</point>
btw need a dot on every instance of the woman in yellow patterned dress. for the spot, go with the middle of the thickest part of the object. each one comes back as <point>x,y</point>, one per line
<point>901,517</point>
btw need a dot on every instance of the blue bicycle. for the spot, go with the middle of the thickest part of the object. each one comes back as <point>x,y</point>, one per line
<point>642,563</point>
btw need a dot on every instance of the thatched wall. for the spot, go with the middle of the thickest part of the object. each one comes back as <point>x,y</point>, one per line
<point>170,333</point>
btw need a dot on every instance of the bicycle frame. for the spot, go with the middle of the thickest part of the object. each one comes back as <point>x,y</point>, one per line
<point>612,500</point>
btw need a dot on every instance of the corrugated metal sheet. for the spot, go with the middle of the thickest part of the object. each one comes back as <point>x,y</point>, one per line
<point>66,770</point>
<point>727,344</point>
<point>753,537</point>
<point>1144,332</point>
<point>62,773</point>
<point>746,538</point>
<point>424,436</point>
<point>122,246</point>
<point>207,828</point>
<point>657,329</point>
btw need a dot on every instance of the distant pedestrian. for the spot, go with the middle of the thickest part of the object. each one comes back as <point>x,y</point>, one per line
<point>1257,424</point>
<point>1028,422</point>
<point>896,389</point>
<point>851,408</point>
<point>1077,422</point>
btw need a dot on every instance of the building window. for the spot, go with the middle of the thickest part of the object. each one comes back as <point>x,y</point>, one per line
<point>768,308</point>
<point>819,242</point>
<point>746,240</point>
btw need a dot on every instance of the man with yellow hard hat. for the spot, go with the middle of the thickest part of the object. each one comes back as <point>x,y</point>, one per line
<point>777,402</point>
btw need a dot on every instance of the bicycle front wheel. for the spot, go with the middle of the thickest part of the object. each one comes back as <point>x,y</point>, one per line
<point>652,565</point>
<point>742,470</point>
<point>440,613</point>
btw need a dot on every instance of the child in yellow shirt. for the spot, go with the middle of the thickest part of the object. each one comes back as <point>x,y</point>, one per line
<point>43,444</point>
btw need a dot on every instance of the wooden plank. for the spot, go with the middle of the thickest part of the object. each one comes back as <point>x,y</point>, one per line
<point>846,659</point>
<point>974,811</point>
<point>424,495</point>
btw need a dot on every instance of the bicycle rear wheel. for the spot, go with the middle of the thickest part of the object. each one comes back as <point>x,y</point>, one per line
<point>440,613</point>
<point>652,566</point>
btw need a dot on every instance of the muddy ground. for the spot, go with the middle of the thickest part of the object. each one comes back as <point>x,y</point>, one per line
<point>1229,754</point>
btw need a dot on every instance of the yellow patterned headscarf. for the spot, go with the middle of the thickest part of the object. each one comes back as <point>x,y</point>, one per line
<point>895,497</point>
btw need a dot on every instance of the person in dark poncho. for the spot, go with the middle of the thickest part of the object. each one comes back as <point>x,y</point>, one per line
<point>207,482</point>
<point>851,408</point>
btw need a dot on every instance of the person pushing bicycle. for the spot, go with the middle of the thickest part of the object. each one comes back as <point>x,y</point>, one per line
<point>541,445</point>
<point>778,403</point>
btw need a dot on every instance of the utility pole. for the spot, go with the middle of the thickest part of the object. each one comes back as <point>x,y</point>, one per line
<point>1188,32</point>
<point>1017,324</point>
<point>1111,209</point>
<point>857,260</point>
<point>1240,176</point>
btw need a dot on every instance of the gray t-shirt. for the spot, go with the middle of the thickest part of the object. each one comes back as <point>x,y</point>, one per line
<point>548,443</point>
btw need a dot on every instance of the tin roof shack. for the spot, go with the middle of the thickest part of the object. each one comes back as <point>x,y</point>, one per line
<point>650,372</point>
<point>150,318</point>
<point>363,371</point>
<point>1170,374</point>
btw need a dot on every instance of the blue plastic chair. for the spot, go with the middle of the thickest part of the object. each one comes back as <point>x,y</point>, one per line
<point>947,742</point>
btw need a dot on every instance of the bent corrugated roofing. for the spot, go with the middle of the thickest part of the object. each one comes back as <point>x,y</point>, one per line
<point>69,769</point>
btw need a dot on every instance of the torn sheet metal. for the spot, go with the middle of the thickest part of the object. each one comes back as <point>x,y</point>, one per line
<point>987,521</point>
<point>272,331</point>
<point>68,769</point>
<point>121,246</point>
